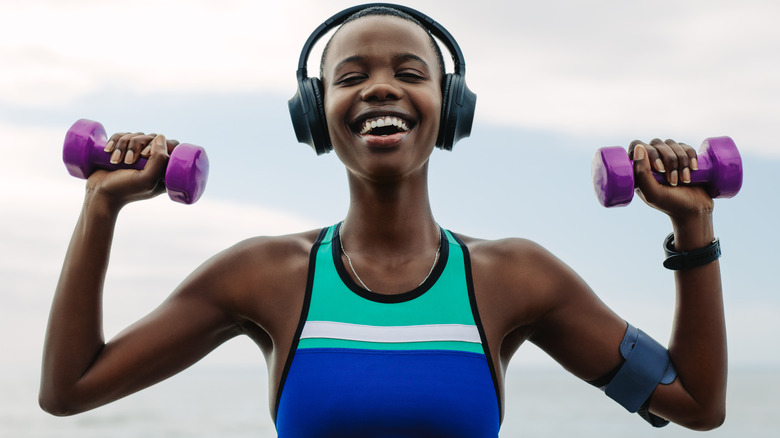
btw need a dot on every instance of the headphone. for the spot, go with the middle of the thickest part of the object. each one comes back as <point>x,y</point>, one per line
<point>307,109</point>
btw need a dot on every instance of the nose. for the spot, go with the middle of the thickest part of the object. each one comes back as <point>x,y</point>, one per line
<point>381,89</point>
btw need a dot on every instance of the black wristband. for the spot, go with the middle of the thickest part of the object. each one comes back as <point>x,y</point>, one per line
<point>689,259</point>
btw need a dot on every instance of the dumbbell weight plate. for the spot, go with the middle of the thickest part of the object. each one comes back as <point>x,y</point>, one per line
<point>613,176</point>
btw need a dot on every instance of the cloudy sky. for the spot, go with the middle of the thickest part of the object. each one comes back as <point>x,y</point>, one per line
<point>556,80</point>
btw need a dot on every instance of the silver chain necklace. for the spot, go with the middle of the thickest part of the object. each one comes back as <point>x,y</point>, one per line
<point>349,260</point>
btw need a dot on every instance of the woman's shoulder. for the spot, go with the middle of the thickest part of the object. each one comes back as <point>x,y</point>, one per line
<point>277,248</point>
<point>505,250</point>
<point>517,281</point>
<point>255,271</point>
<point>260,259</point>
<point>514,262</point>
<point>271,253</point>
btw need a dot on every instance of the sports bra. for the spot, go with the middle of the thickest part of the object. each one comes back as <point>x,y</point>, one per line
<point>364,364</point>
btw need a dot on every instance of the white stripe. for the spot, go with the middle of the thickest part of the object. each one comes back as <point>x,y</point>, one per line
<point>406,333</point>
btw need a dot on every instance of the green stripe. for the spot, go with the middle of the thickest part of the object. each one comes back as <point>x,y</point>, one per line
<point>446,302</point>
<point>438,345</point>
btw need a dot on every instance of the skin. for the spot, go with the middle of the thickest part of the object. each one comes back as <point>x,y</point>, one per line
<point>376,65</point>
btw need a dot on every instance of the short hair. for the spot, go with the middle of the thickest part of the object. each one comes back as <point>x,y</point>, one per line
<point>385,11</point>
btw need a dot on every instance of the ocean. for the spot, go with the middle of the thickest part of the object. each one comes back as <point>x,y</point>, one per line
<point>230,401</point>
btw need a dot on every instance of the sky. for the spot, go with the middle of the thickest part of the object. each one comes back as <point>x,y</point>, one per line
<point>555,81</point>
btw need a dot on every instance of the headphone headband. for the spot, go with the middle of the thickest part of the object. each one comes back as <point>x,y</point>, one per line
<point>337,19</point>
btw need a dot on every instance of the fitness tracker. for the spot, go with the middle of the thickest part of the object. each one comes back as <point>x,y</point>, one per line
<point>689,259</point>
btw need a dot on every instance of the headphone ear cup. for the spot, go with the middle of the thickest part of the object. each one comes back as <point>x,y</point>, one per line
<point>444,121</point>
<point>307,111</point>
<point>319,125</point>
<point>457,111</point>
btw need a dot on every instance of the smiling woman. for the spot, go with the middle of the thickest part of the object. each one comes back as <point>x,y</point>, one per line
<point>386,323</point>
<point>363,84</point>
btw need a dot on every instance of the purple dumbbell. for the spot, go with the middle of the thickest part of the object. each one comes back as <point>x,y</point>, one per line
<point>720,171</point>
<point>185,176</point>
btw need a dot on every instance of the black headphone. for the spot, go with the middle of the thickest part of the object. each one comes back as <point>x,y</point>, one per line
<point>458,102</point>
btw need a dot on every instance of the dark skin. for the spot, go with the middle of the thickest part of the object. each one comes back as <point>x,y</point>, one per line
<point>376,66</point>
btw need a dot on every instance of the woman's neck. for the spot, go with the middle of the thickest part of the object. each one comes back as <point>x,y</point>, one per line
<point>391,219</point>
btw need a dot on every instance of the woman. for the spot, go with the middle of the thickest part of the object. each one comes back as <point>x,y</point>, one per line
<point>386,324</point>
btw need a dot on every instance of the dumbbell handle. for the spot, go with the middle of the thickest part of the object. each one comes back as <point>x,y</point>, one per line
<point>99,158</point>
<point>702,175</point>
<point>84,152</point>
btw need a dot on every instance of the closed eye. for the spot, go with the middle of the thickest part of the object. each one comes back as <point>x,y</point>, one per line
<point>411,76</point>
<point>350,79</point>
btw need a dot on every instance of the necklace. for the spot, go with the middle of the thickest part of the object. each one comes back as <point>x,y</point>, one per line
<point>349,260</point>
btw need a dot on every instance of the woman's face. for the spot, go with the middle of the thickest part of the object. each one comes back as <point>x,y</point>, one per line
<point>382,96</point>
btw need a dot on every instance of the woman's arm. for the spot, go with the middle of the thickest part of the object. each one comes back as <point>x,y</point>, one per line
<point>698,343</point>
<point>581,333</point>
<point>80,371</point>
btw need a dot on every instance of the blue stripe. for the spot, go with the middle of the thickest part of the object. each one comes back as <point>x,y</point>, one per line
<point>425,393</point>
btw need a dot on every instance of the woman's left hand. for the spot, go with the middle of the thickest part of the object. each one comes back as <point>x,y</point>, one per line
<point>678,198</point>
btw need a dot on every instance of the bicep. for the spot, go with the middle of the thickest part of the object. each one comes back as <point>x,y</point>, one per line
<point>189,324</point>
<point>581,333</point>
<point>575,327</point>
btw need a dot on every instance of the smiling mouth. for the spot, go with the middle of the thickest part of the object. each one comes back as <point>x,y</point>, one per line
<point>382,126</point>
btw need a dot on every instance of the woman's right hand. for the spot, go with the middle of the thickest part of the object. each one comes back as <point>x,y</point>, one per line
<point>120,187</point>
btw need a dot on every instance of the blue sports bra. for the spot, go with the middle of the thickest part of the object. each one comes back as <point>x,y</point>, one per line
<point>364,364</point>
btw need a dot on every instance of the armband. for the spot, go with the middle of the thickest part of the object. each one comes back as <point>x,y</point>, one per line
<point>646,365</point>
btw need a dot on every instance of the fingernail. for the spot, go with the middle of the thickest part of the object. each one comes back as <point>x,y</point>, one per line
<point>109,146</point>
<point>115,156</point>
<point>160,140</point>
<point>686,175</point>
<point>129,157</point>
<point>147,150</point>
<point>639,153</point>
<point>694,164</point>
<point>673,178</point>
<point>659,165</point>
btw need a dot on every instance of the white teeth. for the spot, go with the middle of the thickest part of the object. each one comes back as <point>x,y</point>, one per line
<point>379,122</point>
